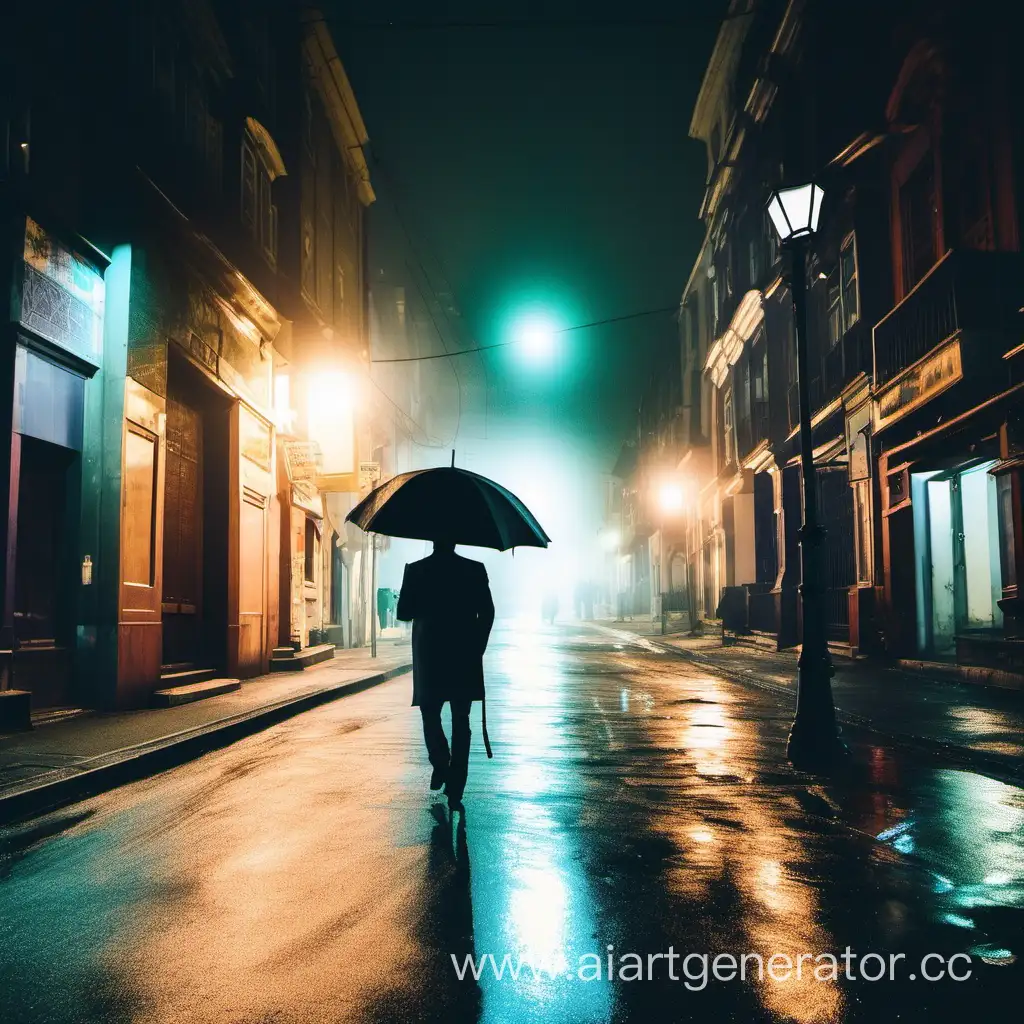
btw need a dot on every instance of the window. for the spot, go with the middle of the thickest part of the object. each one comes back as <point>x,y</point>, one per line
<point>1007,555</point>
<point>898,484</point>
<point>754,262</point>
<point>833,299</point>
<point>771,241</point>
<point>729,426</point>
<point>841,298</point>
<point>848,282</point>
<point>918,222</point>
<point>259,214</point>
<point>759,388</point>
<point>250,188</point>
<point>862,529</point>
<point>310,552</point>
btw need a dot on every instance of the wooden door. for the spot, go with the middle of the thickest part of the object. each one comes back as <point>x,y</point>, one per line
<point>252,582</point>
<point>141,569</point>
<point>183,535</point>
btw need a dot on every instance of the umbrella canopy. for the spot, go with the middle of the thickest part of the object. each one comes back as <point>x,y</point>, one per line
<point>449,504</point>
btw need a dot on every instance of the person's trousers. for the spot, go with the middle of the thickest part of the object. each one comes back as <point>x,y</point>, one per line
<point>455,763</point>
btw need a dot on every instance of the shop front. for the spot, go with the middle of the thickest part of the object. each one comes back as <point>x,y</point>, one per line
<point>198,537</point>
<point>50,356</point>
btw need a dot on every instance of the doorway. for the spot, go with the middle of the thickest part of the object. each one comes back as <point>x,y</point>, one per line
<point>956,540</point>
<point>194,598</point>
<point>43,580</point>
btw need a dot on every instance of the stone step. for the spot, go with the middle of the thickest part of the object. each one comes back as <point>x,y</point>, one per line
<point>295,661</point>
<point>175,695</point>
<point>185,676</point>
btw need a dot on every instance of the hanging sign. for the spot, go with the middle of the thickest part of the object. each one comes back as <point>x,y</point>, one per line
<point>303,459</point>
<point>369,474</point>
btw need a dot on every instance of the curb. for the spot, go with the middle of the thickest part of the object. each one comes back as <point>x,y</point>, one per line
<point>113,769</point>
<point>1003,769</point>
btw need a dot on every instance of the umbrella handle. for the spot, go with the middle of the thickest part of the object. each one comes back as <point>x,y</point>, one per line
<point>483,718</point>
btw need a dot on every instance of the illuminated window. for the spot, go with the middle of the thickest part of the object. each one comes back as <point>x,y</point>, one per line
<point>1007,555</point>
<point>310,552</point>
<point>862,526</point>
<point>729,426</point>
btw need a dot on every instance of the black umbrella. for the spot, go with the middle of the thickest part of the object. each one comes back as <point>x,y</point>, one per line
<point>449,504</point>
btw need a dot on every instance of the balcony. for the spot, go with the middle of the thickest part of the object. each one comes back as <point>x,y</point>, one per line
<point>751,430</point>
<point>965,290</point>
<point>850,356</point>
<point>830,373</point>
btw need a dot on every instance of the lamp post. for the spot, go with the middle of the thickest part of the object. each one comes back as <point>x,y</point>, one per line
<point>814,739</point>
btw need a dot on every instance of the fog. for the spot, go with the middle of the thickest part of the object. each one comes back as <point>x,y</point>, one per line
<point>559,479</point>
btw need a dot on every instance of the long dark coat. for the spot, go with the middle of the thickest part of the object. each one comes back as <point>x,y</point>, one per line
<point>449,602</point>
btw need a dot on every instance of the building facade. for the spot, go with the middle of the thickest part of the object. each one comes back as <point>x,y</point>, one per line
<point>179,268</point>
<point>913,330</point>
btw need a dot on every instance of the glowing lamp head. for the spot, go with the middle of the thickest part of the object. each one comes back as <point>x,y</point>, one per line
<point>535,338</point>
<point>795,211</point>
<point>671,498</point>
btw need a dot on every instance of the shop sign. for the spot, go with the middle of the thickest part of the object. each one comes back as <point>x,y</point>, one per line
<point>857,443</point>
<point>254,438</point>
<point>303,459</point>
<point>919,384</point>
<point>62,296</point>
<point>369,475</point>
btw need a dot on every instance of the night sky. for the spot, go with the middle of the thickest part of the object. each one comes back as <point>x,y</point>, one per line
<point>537,157</point>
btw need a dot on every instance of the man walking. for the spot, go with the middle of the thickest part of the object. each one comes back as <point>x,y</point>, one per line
<point>448,600</point>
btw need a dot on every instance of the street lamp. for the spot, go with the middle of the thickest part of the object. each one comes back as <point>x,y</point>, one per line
<point>671,498</point>
<point>814,739</point>
<point>535,335</point>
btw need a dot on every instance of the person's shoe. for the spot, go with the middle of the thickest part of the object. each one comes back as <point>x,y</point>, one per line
<point>437,777</point>
<point>455,804</point>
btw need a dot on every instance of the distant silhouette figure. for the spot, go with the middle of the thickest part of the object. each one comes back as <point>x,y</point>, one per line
<point>549,607</point>
<point>449,603</point>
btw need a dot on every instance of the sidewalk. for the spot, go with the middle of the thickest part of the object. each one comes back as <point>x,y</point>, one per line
<point>64,761</point>
<point>980,724</point>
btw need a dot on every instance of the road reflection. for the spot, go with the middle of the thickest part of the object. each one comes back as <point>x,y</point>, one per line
<point>968,831</point>
<point>635,805</point>
<point>533,900</point>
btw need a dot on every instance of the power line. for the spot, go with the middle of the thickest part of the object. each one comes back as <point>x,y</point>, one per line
<point>505,344</point>
<point>415,423</point>
<point>528,24</point>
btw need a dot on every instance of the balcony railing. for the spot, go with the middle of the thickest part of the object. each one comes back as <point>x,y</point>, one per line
<point>830,373</point>
<point>843,361</point>
<point>751,430</point>
<point>966,289</point>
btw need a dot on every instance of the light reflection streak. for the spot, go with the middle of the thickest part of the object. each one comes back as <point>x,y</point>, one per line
<point>538,904</point>
<point>762,854</point>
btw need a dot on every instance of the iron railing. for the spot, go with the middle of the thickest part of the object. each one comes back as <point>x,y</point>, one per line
<point>965,289</point>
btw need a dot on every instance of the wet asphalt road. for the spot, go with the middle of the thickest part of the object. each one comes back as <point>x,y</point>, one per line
<point>635,802</point>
